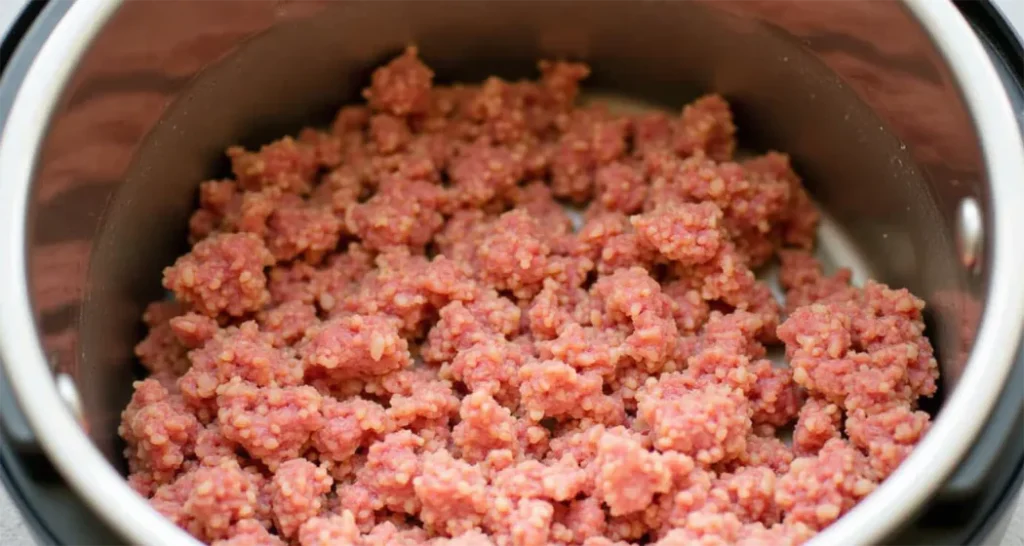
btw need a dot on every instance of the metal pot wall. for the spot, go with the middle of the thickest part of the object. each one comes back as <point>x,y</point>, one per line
<point>897,116</point>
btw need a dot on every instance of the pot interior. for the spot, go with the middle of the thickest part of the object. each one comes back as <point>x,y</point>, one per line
<point>166,88</point>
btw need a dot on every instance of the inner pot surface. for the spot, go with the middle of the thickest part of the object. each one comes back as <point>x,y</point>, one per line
<point>864,96</point>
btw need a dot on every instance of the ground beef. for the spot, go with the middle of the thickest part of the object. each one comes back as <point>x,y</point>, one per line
<point>242,352</point>
<point>329,530</point>
<point>550,388</point>
<point>587,349</point>
<point>431,404</point>
<point>273,424</point>
<point>401,87</point>
<point>706,126</point>
<point>620,187</point>
<point>193,330</point>
<point>392,534</point>
<point>355,346</point>
<point>222,274</point>
<point>485,426</point>
<point>159,430</point>
<point>389,332</point>
<point>161,351</point>
<point>685,233</point>
<point>864,350</point>
<point>391,466</point>
<point>286,165</point>
<point>399,288</point>
<point>749,493</point>
<point>708,423</point>
<point>628,475</point>
<point>250,532</point>
<point>348,426</point>
<point>208,500</point>
<point>403,212</point>
<point>288,322</point>
<point>802,277</point>
<point>453,494</point>
<point>818,489</point>
<point>887,436</point>
<point>462,325</point>
<point>491,365</point>
<point>302,228</point>
<point>482,172</point>
<point>818,422</point>
<point>774,397</point>
<point>297,494</point>
<point>515,255</point>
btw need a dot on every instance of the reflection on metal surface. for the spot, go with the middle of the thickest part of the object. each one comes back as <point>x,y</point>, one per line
<point>891,63</point>
<point>970,232</point>
<point>69,393</point>
<point>138,67</point>
<point>967,307</point>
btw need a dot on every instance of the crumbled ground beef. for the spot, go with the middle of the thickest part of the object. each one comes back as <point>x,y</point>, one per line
<point>390,333</point>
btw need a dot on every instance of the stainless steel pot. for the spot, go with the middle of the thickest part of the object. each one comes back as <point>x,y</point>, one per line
<point>892,110</point>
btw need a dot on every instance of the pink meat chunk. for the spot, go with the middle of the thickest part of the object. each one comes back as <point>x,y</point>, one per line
<point>208,501</point>
<point>819,489</point>
<point>687,233</point>
<point>349,425</point>
<point>390,470</point>
<point>550,388</point>
<point>485,426</point>
<point>709,424</point>
<point>273,424</point>
<point>817,423</point>
<point>250,532</point>
<point>355,346</point>
<point>628,476</point>
<point>298,488</point>
<point>888,436</point>
<point>329,531</point>
<point>481,173</point>
<point>706,126</point>
<point>286,165</point>
<point>223,273</point>
<point>453,494</point>
<point>241,352</point>
<point>403,212</point>
<point>159,430</point>
<point>288,322</point>
<point>401,87</point>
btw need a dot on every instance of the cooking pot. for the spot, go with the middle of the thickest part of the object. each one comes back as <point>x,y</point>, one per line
<point>901,119</point>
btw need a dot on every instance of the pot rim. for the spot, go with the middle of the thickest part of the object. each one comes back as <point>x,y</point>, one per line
<point>952,434</point>
<point>24,362</point>
<point>1001,330</point>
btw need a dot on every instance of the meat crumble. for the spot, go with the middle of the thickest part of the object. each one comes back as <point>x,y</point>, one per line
<point>389,332</point>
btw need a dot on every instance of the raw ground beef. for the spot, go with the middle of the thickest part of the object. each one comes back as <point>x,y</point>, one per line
<point>388,332</point>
